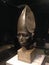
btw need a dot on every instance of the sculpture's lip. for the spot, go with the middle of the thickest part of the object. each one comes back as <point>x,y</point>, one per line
<point>23,44</point>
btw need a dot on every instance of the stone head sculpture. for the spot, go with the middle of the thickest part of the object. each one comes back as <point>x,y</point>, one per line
<point>26,25</point>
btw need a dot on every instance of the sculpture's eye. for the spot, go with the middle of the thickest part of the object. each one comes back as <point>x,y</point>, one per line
<point>24,35</point>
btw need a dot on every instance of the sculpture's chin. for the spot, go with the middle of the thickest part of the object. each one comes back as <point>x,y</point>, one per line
<point>23,45</point>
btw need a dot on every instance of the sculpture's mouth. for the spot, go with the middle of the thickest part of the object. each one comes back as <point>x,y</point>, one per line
<point>22,42</point>
<point>23,45</point>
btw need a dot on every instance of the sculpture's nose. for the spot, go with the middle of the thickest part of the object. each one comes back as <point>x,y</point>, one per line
<point>21,39</point>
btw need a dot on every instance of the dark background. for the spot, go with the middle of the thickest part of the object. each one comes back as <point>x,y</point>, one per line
<point>10,11</point>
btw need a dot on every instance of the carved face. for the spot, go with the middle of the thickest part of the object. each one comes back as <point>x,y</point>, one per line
<point>23,37</point>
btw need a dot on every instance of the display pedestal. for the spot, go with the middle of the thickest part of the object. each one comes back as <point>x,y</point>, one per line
<point>38,60</point>
<point>26,55</point>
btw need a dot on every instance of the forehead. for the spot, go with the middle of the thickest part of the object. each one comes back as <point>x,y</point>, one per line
<point>22,32</point>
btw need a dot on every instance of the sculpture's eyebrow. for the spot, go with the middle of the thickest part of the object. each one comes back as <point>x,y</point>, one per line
<point>22,34</point>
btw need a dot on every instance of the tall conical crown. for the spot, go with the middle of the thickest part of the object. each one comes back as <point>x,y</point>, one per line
<point>26,21</point>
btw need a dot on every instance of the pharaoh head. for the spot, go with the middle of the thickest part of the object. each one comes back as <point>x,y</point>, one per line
<point>26,25</point>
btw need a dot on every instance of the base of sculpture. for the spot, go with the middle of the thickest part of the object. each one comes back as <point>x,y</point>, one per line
<point>27,55</point>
